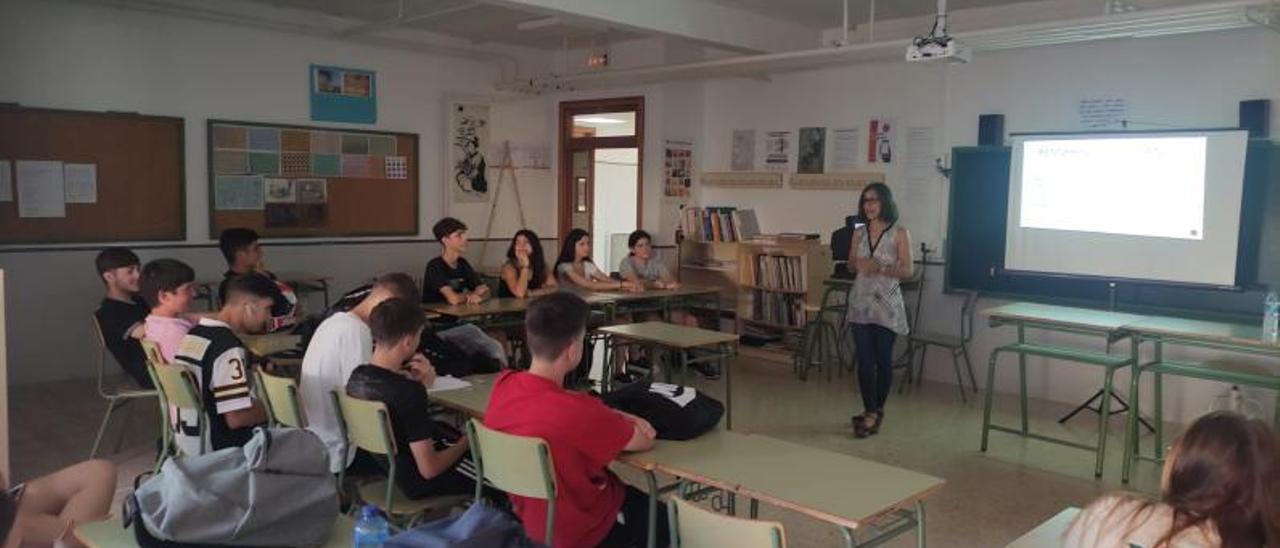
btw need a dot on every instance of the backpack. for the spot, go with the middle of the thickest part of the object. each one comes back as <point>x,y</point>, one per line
<point>450,359</point>
<point>481,526</point>
<point>676,412</point>
<point>274,491</point>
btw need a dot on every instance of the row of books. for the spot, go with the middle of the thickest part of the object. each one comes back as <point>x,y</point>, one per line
<point>778,308</point>
<point>779,272</point>
<point>720,224</point>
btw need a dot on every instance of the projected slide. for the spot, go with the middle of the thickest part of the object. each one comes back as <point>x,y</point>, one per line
<point>1129,186</point>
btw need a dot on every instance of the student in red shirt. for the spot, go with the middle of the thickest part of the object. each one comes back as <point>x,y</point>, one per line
<point>593,506</point>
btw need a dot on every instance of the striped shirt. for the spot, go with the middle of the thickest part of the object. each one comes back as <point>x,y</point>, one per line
<point>221,364</point>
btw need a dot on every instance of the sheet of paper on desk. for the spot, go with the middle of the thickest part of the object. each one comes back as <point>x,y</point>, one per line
<point>448,382</point>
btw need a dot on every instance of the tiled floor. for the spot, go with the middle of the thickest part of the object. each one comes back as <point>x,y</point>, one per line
<point>989,498</point>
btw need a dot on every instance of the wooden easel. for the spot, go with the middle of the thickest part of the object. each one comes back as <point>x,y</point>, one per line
<point>507,166</point>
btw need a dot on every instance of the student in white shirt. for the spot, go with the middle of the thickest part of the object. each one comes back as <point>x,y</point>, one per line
<point>342,343</point>
<point>575,268</point>
<point>1220,487</point>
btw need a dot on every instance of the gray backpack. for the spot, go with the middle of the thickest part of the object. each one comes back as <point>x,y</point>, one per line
<point>274,491</point>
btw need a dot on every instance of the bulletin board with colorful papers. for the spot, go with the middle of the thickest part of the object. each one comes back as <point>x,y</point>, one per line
<point>70,176</point>
<point>298,181</point>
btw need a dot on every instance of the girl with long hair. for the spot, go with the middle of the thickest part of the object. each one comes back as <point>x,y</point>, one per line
<point>575,268</point>
<point>525,273</point>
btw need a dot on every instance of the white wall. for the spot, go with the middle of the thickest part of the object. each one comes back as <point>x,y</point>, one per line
<point>1184,81</point>
<point>68,55</point>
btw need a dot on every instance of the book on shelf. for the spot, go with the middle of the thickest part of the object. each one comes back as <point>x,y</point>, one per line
<point>717,224</point>
<point>779,309</point>
<point>779,273</point>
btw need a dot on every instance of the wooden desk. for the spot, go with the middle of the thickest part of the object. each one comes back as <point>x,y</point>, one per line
<point>302,282</point>
<point>1049,533</point>
<point>1097,323</point>
<point>485,309</point>
<point>847,494</point>
<point>765,469</point>
<point>270,343</point>
<point>1245,339</point>
<point>667,299</point>
<point>110,534</point>
<point>687,345</point>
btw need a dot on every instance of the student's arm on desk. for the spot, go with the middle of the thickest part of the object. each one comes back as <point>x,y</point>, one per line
<point>642,436</point>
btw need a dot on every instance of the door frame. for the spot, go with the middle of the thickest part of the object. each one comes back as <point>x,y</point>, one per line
<point>569,144</point>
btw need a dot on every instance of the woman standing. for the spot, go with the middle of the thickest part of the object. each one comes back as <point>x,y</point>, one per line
<point>881,254</point>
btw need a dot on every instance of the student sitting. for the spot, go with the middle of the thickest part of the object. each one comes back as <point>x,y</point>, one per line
<point>593,506</point>
<point>396,375</point>
<point>643,267</point>
<point>1219,488</point>
<point>525,273</point>
<point>167,287</point>
<point>122,314</point>
<point>575,268</point>
<point>45,510</point>
<point>449,277</point>
<point>342,343</point>
<point>243,253</point>
<point>222,364</point>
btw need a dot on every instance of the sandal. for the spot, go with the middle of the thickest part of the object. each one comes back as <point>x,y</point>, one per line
<point>875,426</point>
<point>862,425</point>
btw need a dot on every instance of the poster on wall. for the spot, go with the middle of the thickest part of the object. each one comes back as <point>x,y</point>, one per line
<point>678,170</point>
<point>844,149</point>
<point>880,141</point>
<point>744,150</point>
<point>468,140</point>
<point>1102,112</point>
<point>777,150</point>
<point>343,95</point>
<point>813,150</point>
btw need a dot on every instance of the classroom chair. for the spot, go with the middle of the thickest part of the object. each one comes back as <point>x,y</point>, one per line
<point>116,397</point>
<point>914,285</point>
<point>825,338</point>
<point>516,464</point>
<point>178,387</point>
<point>368,424</point>
<point>280,395</point>
<point>694,527</point>
<point>958,345</point>
<point>112,534</point>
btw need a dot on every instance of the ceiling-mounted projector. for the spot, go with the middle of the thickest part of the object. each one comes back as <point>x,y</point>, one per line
<point>937,45</point>
<point>931,48</point>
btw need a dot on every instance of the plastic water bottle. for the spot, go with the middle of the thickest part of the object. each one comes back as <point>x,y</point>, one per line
<point>1271,318</point>
<point>372,529</point>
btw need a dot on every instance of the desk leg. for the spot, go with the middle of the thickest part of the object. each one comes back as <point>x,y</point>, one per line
<point>652,479</point>
<point>849,540</point>
<point>1103,416</point>
<point>606,379</point>
<point>1131,425</point>
<point>1158,401</point>
<point>728,387</point>
<point>920,533</point>
<point>755,509</point>
<point>986,408</point>
<point>324,286</point>
<point>1022,378</point>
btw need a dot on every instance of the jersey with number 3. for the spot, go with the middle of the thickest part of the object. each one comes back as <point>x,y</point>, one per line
<point>221,364</point>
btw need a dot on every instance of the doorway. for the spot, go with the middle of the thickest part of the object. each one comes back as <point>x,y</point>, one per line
<point>602,151</point>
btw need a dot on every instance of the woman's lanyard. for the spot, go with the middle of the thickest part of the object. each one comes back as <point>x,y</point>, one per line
<point>872,246</point>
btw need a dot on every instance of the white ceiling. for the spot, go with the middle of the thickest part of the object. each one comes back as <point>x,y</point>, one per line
<point>825,14</point>
<point>474,21</point>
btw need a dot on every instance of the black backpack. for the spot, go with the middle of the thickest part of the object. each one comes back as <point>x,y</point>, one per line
<point>676,412</point>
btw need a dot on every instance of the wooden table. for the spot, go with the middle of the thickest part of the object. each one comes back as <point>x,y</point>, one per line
<point>761,468</point>
<point>688,346</point>
<point>1245,339</point>
<point>667,299</point>
<point>302,282</point>
<point>1097,323</point>
<point>840,489</point>
<point>270,343</point>
<point>487,313</point>
<point>110,533</point>
<point>1049,533</point>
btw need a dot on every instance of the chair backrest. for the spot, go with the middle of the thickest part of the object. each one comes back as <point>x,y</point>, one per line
<point>367,423</point>
<point>102,353</point>
<point>693,527</point>
<point>281,399</point>
<point>178,384</point>
<point>516,464</point>
<point>519,465</point>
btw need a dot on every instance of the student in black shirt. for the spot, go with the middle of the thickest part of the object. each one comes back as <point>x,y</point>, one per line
<point>122,314</point>
<point>222,365</point>
<point>427,454</point>
<point>244,257</point>
<point>449,277</point>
